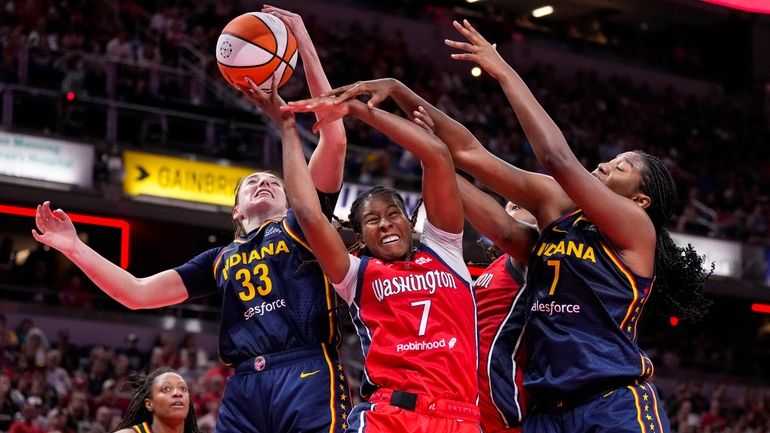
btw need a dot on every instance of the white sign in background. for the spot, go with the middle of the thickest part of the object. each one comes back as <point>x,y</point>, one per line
<point>350,191</point>
<point>46,159</point>
<point>727,256</point>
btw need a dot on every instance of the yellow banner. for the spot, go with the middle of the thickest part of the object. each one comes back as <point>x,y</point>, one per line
<point>181,179</point>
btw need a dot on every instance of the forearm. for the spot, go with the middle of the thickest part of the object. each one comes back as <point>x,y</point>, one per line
<point>490,219</point>
<point>547,140</point>
<point>407,134</point>
<point>300,188</point>
<point>457,138</point>
<point>328,160</point>
<point>118,283</point>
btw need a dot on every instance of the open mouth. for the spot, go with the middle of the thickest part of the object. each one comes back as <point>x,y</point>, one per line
<point>264,193</point>
<point>178,404</point>
<point>390,239</point>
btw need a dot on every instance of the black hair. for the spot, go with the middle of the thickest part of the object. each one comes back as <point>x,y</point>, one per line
<point>680,277</point>
<point>354,218</point>
<point>137,412</point>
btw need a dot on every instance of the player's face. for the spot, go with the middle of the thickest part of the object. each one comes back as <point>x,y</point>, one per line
<point>385,229</point>
<point>261,191</point>
<point>623,174</point>
<point>170,398</point>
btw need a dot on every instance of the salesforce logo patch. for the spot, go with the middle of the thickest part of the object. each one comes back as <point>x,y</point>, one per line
<point>426,345</point>
<point>554,308</point>
<point>265,307</point>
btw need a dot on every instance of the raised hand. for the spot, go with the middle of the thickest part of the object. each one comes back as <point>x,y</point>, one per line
<point>55,229</point>
<point>326,108</point>
<point>293,22</point>
<point>378,89</point>
<point>269,103</point>
<point>477,50</point>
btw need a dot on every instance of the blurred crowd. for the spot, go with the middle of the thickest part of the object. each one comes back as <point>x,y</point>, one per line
<point>49,384</point>
<point>715,146</point>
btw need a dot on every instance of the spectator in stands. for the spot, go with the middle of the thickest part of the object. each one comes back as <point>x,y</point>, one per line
<point>7,355</point>
<point>136,357</point>
<point>102,421</point>
<point>8,407</point>
<point>160,403</point>
<point>112,397</point>
<point>56,421</point>
<point>78,411</point>
<point>29,422</point>
<point>56,376</point>
<point>11,340</point>
<point>70,358</point>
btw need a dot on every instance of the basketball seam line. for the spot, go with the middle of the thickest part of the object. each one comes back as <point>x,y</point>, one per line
<point>273,34</point>
<point>288,33</point>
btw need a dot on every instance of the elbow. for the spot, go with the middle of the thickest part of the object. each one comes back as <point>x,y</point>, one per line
<point>554,158</point>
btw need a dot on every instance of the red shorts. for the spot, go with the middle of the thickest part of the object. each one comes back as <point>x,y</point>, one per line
<point>427,416</point>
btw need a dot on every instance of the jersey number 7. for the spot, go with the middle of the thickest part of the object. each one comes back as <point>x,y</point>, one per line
<point>425,312</point>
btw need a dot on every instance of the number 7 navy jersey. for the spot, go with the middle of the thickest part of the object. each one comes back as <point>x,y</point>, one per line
<point>274,295</point>
<point>584,304</point>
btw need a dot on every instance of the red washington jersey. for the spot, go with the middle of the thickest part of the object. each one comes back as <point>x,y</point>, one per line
<point>416,320</point>
<point>501,314</point>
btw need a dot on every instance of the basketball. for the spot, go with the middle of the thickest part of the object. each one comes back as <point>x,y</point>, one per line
<point>256,45</point>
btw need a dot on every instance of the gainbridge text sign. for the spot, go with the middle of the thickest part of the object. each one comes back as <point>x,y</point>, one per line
<point>180,179</point>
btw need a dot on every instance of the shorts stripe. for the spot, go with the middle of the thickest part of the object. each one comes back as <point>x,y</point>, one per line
<point>655,406</point>
<point>638,409</point>
<point>332,390</point>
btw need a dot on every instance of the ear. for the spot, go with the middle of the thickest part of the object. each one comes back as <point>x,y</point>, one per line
<point>148,404</point>
<point>642,200</point>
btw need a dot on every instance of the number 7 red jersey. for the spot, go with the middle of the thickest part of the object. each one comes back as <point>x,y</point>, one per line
<point>417,320</point>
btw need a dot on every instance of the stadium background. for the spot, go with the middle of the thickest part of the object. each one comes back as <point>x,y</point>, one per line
<point>83,82</point>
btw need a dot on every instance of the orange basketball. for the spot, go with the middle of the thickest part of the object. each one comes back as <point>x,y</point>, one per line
<point>258,46</point>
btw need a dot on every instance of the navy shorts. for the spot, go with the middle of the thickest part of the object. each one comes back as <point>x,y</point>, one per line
<point>297,391</point>
<point>630,409</point>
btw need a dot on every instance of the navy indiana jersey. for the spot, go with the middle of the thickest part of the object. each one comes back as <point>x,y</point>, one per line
<point>584,304</point>
<point>274,295</point>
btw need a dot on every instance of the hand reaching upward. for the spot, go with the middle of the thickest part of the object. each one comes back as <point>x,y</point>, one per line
<point>478,50</point>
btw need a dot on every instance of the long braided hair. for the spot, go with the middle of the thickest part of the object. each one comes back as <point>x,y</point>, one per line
<point>137,412</point>
<point>354,218</point>
<point>680,277</point>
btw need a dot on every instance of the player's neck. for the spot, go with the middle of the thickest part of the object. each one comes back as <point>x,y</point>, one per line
<point>159,426</point>
<point>257,221</point>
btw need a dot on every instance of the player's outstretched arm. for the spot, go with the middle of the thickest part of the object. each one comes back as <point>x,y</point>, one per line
<point>55,229</point>
<point>443,206</point>
<point>328,159</point>
<point>485,214</point>
<point>326,243</point>
<point>532,191</point>
<point>624,222</point>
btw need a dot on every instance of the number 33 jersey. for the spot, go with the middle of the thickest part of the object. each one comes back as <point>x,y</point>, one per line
<point>416,320</point>
<point>274,295</point>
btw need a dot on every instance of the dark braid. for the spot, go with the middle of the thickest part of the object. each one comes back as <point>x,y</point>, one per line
<point>415,212</point>
<point>680,277</point>
<point>137,412</point>
<point>354,218</point>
